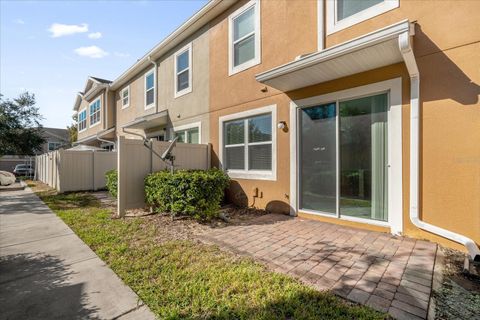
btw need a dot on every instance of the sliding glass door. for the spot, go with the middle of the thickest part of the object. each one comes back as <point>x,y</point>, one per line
<point>343,158</point>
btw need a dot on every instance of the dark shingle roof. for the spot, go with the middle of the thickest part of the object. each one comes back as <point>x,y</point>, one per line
<point>101,80</point>
<point>56,132</point>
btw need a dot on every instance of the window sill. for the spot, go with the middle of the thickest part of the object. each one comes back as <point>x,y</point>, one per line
<point>243,67</point>
<point>252,175</point>
<point>150,106</point>
<point>95,124</point>
<point>183,92</point>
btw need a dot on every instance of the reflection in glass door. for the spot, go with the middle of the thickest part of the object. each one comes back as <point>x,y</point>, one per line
<point>362,157</point>
<point>318,168</point>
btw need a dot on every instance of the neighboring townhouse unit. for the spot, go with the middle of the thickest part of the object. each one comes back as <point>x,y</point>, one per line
<point>95,114</point>
<point>362,113</point>
<point>166,93</point>
<point>55,138</point>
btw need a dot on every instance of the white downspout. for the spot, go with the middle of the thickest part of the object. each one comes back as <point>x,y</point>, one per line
<point>154,83</point>
<point>411,64</point>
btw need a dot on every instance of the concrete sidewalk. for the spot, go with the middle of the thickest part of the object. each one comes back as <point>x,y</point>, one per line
<point>47,272</point>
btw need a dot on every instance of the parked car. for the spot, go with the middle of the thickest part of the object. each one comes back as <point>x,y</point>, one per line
<point>6,178</point>
<point>23,170</point>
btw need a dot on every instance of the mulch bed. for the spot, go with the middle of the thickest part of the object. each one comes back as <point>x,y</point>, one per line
<point>459,294</point>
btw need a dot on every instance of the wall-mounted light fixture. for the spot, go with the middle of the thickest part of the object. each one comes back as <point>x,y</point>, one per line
<point>281,125</point>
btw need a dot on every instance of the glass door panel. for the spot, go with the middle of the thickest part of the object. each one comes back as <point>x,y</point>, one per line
<point>318,158</point>
<point>363,157</point>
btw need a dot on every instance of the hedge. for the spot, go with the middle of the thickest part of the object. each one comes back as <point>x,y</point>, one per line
<point>112,180</point>
<point>196,193</point>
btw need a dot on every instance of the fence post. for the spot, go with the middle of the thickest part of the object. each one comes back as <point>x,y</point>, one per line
<point>121,176</point>
<point>93,171</point>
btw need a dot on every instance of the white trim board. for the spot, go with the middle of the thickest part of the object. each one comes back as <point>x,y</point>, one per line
<point>395,191</point>
<point>255,175</point>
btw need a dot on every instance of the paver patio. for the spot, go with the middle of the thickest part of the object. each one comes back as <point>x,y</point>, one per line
<point>389,273</point>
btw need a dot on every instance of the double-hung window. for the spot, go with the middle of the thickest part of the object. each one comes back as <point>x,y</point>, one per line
<point>150,89</point>
<point>183,71</point>
<point>95,112</point>
<point>342,14</point>
<point>125,97</point>
<point>248,149</point>
<point>82,120</point>
<point>244,37</point>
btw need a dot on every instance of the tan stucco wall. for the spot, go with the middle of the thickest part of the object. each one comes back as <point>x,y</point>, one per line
<point>447,49</point>
<point>189,108</point>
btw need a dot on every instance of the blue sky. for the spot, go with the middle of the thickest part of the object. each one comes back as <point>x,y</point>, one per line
<point>51,47</point>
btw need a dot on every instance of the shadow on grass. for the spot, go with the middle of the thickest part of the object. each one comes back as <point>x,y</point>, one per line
<point>35,287</point>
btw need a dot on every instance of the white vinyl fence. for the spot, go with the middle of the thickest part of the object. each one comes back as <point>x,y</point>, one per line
<point>135,162</point>
<point>67,170</point>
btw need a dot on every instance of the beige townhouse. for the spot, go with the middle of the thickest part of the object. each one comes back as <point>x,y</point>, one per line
<point>95,116</point>
<point>362,113</point>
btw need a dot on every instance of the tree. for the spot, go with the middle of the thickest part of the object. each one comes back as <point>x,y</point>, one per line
<point>73,130</point>
<point>20,130</point>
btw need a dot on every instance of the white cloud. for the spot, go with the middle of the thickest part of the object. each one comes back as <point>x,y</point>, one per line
<point>95,35</point>
<point>121,54</point>
<point>60,30</point>
<point>91,52</point>
<point>18,21</point>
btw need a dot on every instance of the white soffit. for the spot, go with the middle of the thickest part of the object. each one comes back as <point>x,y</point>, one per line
<point>373,50</point>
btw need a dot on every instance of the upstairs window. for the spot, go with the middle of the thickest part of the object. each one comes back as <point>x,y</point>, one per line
<point>244,36</point>
<point>82,120</point>
<point>125,96</point>
<point>183,71</point>
<point>150,89</point>
<point>342,14</point>
<point>95,112</point>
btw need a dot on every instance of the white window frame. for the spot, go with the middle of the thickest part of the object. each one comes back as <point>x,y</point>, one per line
<point>86,118</point>
<point>127,89</point>
<point>186,127</point>
<point>180,93</point>
<point>148,73</point>
<point>257,59</point>
<point>99,111</point>
<point>333,25</point>
<point>395,178</point>
<point>250,174</point>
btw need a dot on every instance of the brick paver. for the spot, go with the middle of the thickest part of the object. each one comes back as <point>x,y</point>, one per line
<point>389,273</point>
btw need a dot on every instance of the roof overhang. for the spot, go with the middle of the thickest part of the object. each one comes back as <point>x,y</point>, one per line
<point>78,101</point>
<point>212,9</point>
<point>148,122</point>
<point>95,90</point>
<point>107,134</point>
<point>371,51</point>
<point>104,134</point>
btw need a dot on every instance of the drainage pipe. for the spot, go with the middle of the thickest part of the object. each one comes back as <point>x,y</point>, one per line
<point>411,64</point>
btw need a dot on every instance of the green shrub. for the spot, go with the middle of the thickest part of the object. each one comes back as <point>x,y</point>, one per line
<point>112,179</point>
<point>196,193</point>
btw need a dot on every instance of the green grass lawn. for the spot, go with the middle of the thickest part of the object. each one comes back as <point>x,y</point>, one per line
<point>183,279</point>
